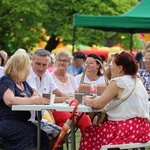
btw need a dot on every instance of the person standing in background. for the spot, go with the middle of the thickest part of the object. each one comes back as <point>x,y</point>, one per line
<point>139,55</point>
<point>77,65</point>
<point>144,74</point>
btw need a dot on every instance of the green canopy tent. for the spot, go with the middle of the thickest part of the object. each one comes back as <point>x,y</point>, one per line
<point>136,20</point>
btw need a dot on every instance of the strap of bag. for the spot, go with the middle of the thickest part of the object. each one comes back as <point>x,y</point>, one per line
<point>123,99</point>
<point>104,73</point>
<point>83,75</point>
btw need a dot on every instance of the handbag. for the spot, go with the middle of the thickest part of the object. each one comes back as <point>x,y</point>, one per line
<point>85,87</point>
<point>102,116</point>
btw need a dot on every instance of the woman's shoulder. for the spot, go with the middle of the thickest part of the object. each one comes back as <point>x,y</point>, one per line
<point>123,80</point>
<point>6,78</point>
<point>78,76</point>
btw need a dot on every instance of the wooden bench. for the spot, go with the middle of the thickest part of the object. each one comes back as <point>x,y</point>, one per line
<point>125,146</point>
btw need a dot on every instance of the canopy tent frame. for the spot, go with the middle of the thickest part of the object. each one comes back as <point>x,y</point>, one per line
<point>137,20</point>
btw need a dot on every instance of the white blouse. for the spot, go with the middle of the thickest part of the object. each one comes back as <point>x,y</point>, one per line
<point>69,87</point>
<point>100,80</point>
<point>136,104</point>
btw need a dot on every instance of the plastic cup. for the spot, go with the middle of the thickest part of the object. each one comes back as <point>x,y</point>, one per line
<point>49,96</point>
<point>79,97</point>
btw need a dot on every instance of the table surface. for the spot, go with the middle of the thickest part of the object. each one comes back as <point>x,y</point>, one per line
<point>56,106</point>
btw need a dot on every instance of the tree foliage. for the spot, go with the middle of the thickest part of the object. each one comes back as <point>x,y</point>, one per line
<point>62,19</point>
<point>22,20</point>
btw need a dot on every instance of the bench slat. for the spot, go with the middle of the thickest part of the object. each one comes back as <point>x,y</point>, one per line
<point>125,146</point>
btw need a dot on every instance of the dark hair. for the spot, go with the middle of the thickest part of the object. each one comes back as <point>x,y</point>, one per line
<point>97,59</point>
<point>79,55</point>
<point>130,65</point>
<point>2,60</point>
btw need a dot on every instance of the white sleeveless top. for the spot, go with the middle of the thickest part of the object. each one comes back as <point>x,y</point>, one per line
<point>135,106</point>
<point>100,80</point>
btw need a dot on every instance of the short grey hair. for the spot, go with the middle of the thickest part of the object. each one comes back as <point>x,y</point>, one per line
<point>64,53</point>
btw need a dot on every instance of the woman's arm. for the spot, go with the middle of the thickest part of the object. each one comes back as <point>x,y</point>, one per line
<point>60,97</point>
<point>110,92</point>
<point>10,99</point>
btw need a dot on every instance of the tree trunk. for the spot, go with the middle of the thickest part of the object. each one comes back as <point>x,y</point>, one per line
<point>52,43</point>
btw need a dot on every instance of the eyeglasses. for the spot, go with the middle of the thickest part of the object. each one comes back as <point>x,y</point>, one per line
<point>64,61</point>
<point>146,59</point>
<point>41,52</point>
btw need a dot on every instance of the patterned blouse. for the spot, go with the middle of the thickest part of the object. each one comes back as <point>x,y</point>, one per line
<point>145,75</point>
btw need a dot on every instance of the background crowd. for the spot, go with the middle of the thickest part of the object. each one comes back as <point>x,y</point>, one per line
<point>25,77</point>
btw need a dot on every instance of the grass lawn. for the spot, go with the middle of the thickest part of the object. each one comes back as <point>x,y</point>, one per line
<point>78,136</point>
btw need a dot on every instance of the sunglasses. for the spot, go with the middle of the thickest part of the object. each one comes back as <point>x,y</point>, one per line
<point>41,52</point>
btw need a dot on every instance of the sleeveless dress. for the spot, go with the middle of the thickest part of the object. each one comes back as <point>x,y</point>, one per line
<point>127,123</point>
<point>16,132</point>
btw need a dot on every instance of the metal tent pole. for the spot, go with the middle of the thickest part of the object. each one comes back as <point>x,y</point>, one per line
<point>131,42</point>
<point>73,40</point>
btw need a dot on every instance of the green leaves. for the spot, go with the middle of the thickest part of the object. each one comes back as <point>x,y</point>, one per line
<point>22,20</point>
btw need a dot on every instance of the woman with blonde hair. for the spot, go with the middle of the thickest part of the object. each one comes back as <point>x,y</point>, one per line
<point>15,130</point>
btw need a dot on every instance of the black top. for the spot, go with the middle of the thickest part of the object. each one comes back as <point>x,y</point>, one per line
<point>6,82</point>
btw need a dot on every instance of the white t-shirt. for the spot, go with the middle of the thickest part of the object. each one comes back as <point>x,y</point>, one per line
<point>101,79</point>
<point>135,106</point>
<point>69,87</point>
<point>45,85</point>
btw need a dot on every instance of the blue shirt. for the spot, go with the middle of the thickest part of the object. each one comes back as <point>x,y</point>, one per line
<point>75,70</point>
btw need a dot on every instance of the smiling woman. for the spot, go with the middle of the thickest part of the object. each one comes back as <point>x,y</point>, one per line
<point>93,71</point>
<point>66,84</point>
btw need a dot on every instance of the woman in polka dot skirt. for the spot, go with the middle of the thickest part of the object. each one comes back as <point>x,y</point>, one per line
<point>127,122</point>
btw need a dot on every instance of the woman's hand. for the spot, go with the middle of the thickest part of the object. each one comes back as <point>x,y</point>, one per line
<point>41,101</point>
<point>88,100</point>
<point>23,95</point>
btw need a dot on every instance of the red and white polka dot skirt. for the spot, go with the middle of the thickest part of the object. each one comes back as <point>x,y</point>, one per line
<point>115,132</point>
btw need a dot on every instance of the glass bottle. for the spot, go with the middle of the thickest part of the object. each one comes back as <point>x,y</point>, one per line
<point>93,88</point>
